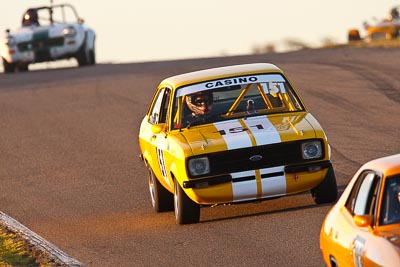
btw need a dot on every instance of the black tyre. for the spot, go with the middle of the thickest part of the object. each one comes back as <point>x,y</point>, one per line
<point>8,67</point>
<point>353,35</point>
<point>92,55</point>
<point>23,67</point>
<point>86,56</point>
<point>186,210</point>
<point>326,191</point>
<point>161,199</point>
<point>395,34</point>
<point>83,56</point>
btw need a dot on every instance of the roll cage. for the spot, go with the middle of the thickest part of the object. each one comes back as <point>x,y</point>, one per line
<point>60,13</point>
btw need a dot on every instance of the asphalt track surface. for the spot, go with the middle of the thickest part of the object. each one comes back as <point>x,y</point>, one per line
<point>70,170</point>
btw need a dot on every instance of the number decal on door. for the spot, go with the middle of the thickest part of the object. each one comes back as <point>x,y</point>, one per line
<point>161,162</point>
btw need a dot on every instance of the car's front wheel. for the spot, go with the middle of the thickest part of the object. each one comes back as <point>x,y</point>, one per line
<point>86,56</point>
<point>161,199</point>
<point>326,191</point>
<point>186,210</point>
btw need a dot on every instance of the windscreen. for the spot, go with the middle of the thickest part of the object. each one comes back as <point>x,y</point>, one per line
<point>235,97</point>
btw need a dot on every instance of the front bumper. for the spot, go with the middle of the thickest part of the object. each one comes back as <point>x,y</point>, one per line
<point>308,167</point>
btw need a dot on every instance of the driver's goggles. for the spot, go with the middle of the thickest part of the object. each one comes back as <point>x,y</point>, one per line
<point>202,100</point>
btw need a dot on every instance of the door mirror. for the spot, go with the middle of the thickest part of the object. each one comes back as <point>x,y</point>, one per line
<point>158,128</point>
<point>363,220</point>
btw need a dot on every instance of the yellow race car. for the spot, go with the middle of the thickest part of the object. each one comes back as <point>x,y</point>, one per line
<point>387,28</point>
<point>228,135</point>
<point>363,228</point>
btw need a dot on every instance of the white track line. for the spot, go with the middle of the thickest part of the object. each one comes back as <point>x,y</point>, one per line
<point>41,244</point>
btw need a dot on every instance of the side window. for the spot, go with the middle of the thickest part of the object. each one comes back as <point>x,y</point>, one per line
<point>390,206</point>
<point>362,199</point>
<point>159,111</point>
<point>164,106</point>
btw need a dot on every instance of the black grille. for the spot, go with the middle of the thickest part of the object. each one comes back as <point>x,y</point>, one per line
<point>281,154</point>
<point>40,44</point>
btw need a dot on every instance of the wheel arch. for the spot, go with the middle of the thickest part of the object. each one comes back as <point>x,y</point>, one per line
<point>90,38</point>
<point>174,173</point>
<point>147,159</point>
<point>333,261</point>
<point>173,170</point>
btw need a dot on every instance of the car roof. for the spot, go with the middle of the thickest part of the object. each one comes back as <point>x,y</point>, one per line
<point>218,73</point>
<point>388,165</point>
<point>50,6</point>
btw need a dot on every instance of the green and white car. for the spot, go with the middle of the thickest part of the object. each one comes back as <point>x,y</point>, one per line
<point>48,33</point>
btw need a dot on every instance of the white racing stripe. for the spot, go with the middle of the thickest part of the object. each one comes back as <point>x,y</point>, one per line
<point>244,185</point>
<point>275,185</point>
<point>245,190</point>
<point>237,136</point>
<point>234,134</point>
<point>263,130</point>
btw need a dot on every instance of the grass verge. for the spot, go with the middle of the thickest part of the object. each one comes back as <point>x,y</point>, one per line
<point>13,252</point>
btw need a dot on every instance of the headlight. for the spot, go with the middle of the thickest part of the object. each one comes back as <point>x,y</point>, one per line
<point>70,31</point>
<point>10,41</point>
<point>311,150</point>
<point>199,166</point>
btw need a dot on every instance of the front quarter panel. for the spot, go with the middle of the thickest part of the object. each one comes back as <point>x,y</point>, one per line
<point>90,39</point>
<point>165,154</point>
<point>380,252</point>
<point>146,146</point>
<point>176,150</point>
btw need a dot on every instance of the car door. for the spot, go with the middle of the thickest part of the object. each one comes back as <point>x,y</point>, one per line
<point>349,238</point>
<point>157,136</point>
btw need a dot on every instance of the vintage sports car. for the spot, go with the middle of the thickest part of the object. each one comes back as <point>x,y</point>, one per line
<point>363,227</point>
<point>229,135</point>
<point>48,33</point>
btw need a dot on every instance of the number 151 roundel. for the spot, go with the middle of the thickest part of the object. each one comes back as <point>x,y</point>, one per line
<point>228,135</point>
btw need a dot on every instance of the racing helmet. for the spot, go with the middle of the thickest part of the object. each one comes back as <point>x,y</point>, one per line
<point>200,103</point>
<point>394,13</point>
<point>30,17</point>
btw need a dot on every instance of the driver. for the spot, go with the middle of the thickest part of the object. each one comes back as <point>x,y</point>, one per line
<point>199,104</point>
<point>30,18</point>
<point>394,13</point>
